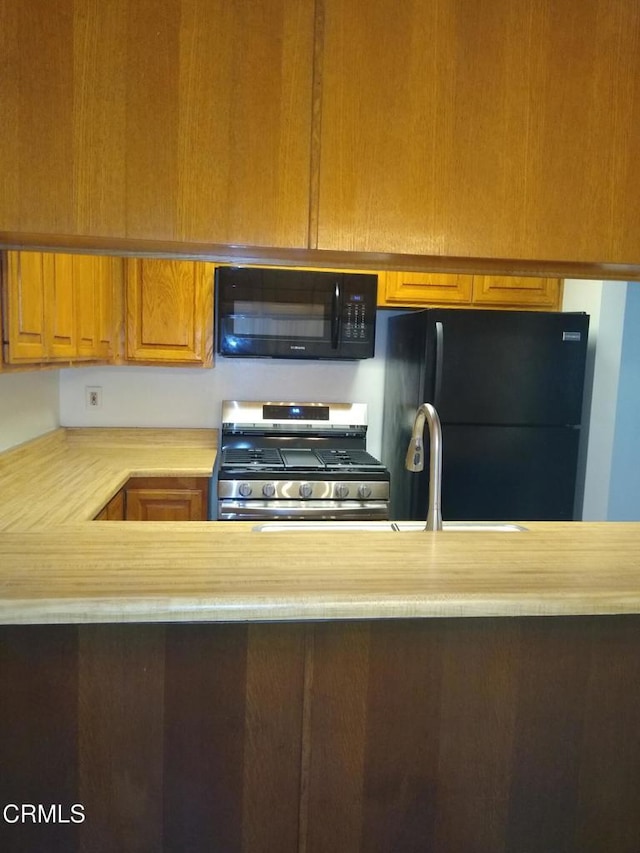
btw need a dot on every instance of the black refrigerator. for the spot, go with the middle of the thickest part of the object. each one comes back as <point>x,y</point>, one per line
<point>508,387</point>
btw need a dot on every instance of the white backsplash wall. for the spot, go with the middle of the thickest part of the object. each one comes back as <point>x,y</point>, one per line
<point>29,406</point>
<point>184,397</point>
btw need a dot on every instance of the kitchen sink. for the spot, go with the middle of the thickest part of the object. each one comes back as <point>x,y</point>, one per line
<point>385,526</point>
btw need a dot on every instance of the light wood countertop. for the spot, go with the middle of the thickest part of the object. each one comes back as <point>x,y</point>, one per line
<point>70,474</point>
<point>57,566</point>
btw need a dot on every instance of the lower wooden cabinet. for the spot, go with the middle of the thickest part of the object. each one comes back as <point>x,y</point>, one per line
<point>159,499</point>
<point>114,510</point>
<point>418,290</point>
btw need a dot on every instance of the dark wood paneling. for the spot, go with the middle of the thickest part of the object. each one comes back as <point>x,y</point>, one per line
<point>457,736</point>
<point>233,700</point>
<point>273,738</point>
<point>120,737</point>
<point>476,736</point>
<point>337,735</point>
<point>38,735</point>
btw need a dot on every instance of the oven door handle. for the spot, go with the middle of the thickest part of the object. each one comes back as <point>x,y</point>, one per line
<point>233,510</point>
<point>335,316</point>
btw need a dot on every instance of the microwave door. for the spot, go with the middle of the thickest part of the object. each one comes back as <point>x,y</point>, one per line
<point>284,313</point>
<point>275,313</point>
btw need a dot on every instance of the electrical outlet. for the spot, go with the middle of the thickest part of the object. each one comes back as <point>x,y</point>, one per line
<point>93,396</point>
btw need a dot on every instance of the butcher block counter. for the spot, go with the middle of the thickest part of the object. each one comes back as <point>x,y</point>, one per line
<point>201,686</point>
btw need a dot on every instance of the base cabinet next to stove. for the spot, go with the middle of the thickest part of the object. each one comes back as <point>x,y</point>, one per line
<point>159,499</point>
<point>451,735</point>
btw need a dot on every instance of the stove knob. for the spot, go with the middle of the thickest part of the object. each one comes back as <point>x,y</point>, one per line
<point>268,490</point>
<point>245,490</point>
<point>364,491</point>
<point>305,490</point>
<point>342,490</point>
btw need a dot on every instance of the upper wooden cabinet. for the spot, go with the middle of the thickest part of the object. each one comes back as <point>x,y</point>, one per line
<point>404,289</point>
<point>508,131</point>
<point>169,311</point>
<point>60,308</point>
<point>401,288</point>
<point>517,291</point>
<point>170,120</point>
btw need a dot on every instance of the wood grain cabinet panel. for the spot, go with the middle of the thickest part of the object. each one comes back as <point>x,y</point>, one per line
<point>23,291</point>
<point>508,132</point>
<point>60,307</point>
<point>166,499</point>
<point>426,289</point>
<point>517,291</point>
<point>482,291</point>
<point>114,510</point>
<point>172,120</point>
<point>169,311</point>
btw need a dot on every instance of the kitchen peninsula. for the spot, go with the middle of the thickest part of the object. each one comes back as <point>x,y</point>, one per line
<point>200,685</point>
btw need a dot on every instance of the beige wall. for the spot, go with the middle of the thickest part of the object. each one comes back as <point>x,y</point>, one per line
<point>29,406</point>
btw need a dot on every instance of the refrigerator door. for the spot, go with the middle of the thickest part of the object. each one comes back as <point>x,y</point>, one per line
<point>404,381</point>
<point>504,473</point>
<point>505,367</point>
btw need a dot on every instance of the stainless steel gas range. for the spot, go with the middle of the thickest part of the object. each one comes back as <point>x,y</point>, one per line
<point>298,461</point>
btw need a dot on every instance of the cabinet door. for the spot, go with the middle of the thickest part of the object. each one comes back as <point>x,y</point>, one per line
<point>97,280</point>
<point>170,311</point>
<point>166,499</point>
<point>60,310</point>
<point>114,510</point>
<point>181,121</point>
<point>24,274</point>
<point>507,133</point>
<point>426,289</point>
<point>517,291</point>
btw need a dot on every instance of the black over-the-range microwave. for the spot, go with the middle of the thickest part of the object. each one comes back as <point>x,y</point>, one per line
<point>287,313</point>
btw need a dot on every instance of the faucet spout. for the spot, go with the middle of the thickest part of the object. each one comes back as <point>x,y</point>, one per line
<point>415,459</point>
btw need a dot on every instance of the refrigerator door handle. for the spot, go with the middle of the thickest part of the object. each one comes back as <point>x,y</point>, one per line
<point>439,363</point>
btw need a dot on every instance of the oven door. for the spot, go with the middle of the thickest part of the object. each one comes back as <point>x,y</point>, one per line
<point>325,510</point>
<point>291,314</point>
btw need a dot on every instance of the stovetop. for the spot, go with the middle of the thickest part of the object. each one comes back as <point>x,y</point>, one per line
<point>299,459</point>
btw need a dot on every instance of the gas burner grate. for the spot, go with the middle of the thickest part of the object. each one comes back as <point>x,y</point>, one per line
<point>254,456</point>
<point>341,458</point>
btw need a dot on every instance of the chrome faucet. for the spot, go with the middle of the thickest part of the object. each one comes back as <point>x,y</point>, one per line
<point>415,459</point>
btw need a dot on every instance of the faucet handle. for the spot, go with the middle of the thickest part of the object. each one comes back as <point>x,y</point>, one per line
<point>414,460</point>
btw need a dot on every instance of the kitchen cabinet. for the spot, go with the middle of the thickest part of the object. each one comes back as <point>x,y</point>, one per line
<point>505,131</point>
<point>170,120</point>
<point>114,510</point>
<point>166,499</point>
<point>59,307</point>
<point>402,289</point>
<point>517,292</point>
<point>169,311</point>
<point>425,288</point>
